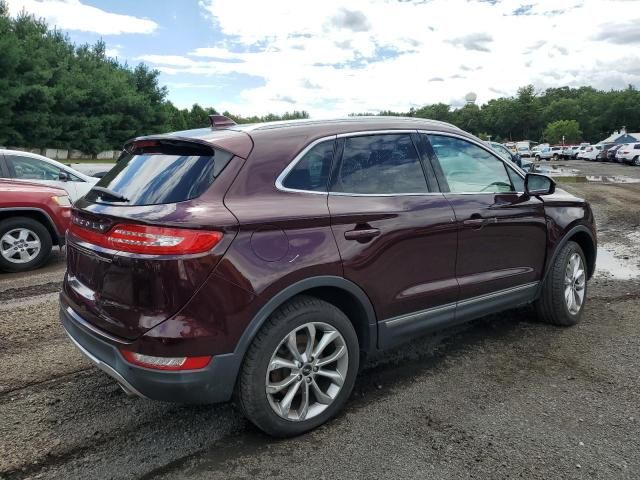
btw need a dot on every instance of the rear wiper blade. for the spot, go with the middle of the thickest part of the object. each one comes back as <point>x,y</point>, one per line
<point>105,192</point>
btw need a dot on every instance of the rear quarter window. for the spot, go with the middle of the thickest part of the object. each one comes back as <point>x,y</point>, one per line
<point>162,173</point>
<point>311,172</point>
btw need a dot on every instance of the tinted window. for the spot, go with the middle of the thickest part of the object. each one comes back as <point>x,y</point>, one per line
<point>312,171</point>
<point>27,168</point>
<point>469,168</point>
<point>379,164</point>
<point>164,174</point>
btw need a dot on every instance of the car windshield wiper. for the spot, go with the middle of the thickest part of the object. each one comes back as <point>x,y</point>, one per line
<point>105,192</point>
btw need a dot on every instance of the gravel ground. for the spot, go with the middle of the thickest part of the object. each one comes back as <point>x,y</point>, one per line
<point>503,397</point>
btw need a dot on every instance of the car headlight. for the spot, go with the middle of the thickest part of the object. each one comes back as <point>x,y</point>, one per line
<point>62,200</point>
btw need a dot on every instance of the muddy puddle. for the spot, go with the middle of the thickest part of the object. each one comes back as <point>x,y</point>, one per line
<point>617,266</point>
<point>555,170</point>
<point>565,174</point>
<point>596,179</point>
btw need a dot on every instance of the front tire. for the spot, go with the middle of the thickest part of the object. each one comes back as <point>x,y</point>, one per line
<point>564,292</point>
<point>25,244</point>
<point>300,369</point>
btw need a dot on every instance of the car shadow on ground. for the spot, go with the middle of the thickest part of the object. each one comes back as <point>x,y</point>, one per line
<point>378,378</point>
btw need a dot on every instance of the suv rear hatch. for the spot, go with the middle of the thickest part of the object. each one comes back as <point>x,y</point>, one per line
<point>147,236</point>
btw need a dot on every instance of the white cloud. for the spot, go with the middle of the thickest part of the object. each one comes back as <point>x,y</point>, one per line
<point>74,15</point>
<point>330,60</point>
<point>113,51</point>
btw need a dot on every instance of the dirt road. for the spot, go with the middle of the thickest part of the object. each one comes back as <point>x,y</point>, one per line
<point>502,397</point>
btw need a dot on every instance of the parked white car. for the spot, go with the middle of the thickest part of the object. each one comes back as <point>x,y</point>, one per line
<point>629,153</point>
<point>590,153</point>
<point>30,167</point>
<point>581,152</point>
<point>570,151</point>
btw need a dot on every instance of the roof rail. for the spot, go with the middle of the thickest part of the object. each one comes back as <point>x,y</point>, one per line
<point>220,121</point>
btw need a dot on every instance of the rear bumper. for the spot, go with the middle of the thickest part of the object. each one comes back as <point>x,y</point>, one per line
<point>213,384</point>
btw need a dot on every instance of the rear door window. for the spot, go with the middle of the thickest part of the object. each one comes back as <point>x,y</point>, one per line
<point>160,173</point>
<point>379,165</point>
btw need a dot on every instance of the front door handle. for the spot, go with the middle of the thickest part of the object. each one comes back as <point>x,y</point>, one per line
<point>362,234</point>
<point>476,222</point>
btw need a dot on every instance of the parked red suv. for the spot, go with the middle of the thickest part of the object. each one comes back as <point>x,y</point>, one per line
<point>265,259</point>
<point>33,217</point>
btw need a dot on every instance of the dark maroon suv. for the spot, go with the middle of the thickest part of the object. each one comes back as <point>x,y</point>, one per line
<point>266,259</point>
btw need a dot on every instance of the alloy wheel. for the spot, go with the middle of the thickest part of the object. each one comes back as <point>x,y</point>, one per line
<point>574,284</point>
<point>306,371</point>
<point>20,245</point>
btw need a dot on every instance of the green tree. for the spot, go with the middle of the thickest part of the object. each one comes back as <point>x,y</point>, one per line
<point>569,129</point>
<point>54,93</point>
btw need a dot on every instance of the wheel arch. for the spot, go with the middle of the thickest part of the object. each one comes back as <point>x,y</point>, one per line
<point>35,214</point>
<point>583,237</point>
<point>338,291</point>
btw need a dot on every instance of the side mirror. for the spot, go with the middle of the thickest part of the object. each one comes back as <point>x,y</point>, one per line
<point>63,177</point>
<point>537,184</point>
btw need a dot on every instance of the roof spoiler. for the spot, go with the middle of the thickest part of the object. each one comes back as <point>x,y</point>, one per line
<point>220,121</point>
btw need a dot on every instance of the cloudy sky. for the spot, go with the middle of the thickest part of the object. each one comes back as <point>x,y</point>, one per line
<point>335,57</point>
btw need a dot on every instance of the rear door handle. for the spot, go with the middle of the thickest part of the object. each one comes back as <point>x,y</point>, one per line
<point>362,234</point>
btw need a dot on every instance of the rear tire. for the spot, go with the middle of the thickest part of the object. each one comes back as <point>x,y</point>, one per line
<point>25,244</point>
<point>636,161</point>
<point>564,291</point>
<point>322,387</point>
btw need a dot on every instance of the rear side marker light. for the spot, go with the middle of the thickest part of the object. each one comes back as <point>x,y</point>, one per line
<point>165,363</point>
<point>151,240</point>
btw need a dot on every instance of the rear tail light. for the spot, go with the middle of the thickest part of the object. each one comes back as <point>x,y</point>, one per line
<point>165,363</point>
<point>149,239</point>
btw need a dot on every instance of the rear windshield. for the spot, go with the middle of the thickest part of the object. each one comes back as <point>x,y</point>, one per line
<point>160,173</point>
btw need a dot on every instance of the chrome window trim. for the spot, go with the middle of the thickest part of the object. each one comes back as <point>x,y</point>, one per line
<point>515,168</point>
<point>360,133</point>
<point>345,194</point>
